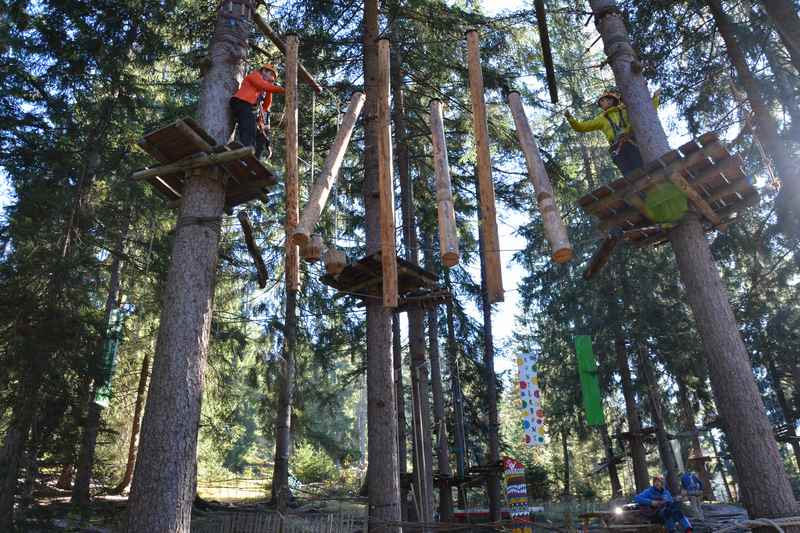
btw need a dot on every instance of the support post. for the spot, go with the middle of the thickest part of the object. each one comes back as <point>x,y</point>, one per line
<point>448,233</point>
<point>292,179</point>
<point>554,228</point>
<point>330,171</point>
<point>385,181</point>
<point>488,222</point>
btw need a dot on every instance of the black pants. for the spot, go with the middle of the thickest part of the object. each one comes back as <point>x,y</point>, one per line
<point>244,117</point>
<point>626,156</point>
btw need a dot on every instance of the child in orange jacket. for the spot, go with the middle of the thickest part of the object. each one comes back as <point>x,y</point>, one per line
<point>250,106</point>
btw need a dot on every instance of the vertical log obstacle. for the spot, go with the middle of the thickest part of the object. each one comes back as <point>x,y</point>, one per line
<point>330,171</point>
<point>488,222</point>
<point>385,181</point>
<point>547,53</point>
<point>554,228</point>
<point>448,234</point>
<point>292,178</point>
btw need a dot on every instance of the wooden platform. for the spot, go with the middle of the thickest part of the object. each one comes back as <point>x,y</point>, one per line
<point>184,140</point>
<point>418,288</point>
<point>703,169</point>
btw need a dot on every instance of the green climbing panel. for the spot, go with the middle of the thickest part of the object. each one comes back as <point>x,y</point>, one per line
<point>109,358</point>
<point>590,385</point>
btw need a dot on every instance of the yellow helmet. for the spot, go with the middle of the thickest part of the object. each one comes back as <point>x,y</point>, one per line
<point>271,68</point>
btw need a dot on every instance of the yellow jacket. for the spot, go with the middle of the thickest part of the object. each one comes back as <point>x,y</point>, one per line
<point>613,121</point>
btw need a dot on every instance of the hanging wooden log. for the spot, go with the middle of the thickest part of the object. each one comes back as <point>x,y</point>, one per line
<point>488,222</point>
<point>292,178</point>
<point>272,35</point>
<point>554,228</point>
<point>252,248</point>
<point>312,250</point>
<point>385,181</point>
<point>602,255</point>
<point>330,170</point>
<point>448,233</point>
<point>335,261</point>
<point>547,53</point>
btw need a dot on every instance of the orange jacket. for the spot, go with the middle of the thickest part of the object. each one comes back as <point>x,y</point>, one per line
<point>252,87</point>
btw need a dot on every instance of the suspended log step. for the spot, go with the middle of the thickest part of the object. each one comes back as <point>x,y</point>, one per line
<point>417,288</point>
<point>184,144</point>
<point>703,169</point>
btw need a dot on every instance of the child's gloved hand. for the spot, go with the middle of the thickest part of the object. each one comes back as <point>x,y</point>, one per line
<point>567,114</point>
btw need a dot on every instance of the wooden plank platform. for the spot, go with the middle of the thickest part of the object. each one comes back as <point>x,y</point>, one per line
<point>417,287</point>
<point>184,139</point>
<point>712,178</point>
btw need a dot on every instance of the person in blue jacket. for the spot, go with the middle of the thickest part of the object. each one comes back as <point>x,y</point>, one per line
<point>693,488</point>
<point>657,503</point>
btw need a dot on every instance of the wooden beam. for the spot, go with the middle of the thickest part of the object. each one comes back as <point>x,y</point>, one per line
<point>554,228</point>
<point>694,197</point>
<point>195,162</point>
<point>385,181</point>
<point>252,248</point>
<point>292,178</point>
<point>601,256</point>
<point>448,232</point>
<point>330,171</point>
<point>270,34</point>
<point>488,210</point>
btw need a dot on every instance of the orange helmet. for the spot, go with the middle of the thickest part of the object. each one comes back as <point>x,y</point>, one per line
<point>271,68</point>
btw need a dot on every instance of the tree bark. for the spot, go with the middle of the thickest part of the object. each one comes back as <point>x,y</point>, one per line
<point>283,419</point>
<point>164,478</point>
<point>83,477</point>
<point>638,454</point>
<point>493,480</point>
<point>657,410</point>
<point>137,415</point>
<point>384,496</point>
<point>766,126</point>
<point>423,442</point>
<point>458,400</point>
<point>784,16</point>
<point>766,491</point>
<point>613,474</point>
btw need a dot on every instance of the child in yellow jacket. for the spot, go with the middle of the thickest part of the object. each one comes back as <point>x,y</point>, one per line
<point>613,122</point>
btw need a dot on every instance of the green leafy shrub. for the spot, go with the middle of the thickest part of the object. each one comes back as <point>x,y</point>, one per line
<point>311,465</point>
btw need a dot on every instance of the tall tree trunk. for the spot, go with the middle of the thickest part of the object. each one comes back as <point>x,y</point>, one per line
<point>657,410</point>
<point>400,402</point>
<point>490,378</point>
<point>83,478</point>
<point>423,442</point>
<point>766,491</point>
<point>766,127</point>
<point>458,400</point>
<point>788,413</point>
<point>439,422</point>
<point>165,475</point>
<point>638,454</point>
<point>16,440</point>
<point>283,419</point>
<point>565,454</point>
<point>613,474</point>
<point>384,495</point>
<point>783,14</point>
<point>687,414</point>
<point>137,415</point>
